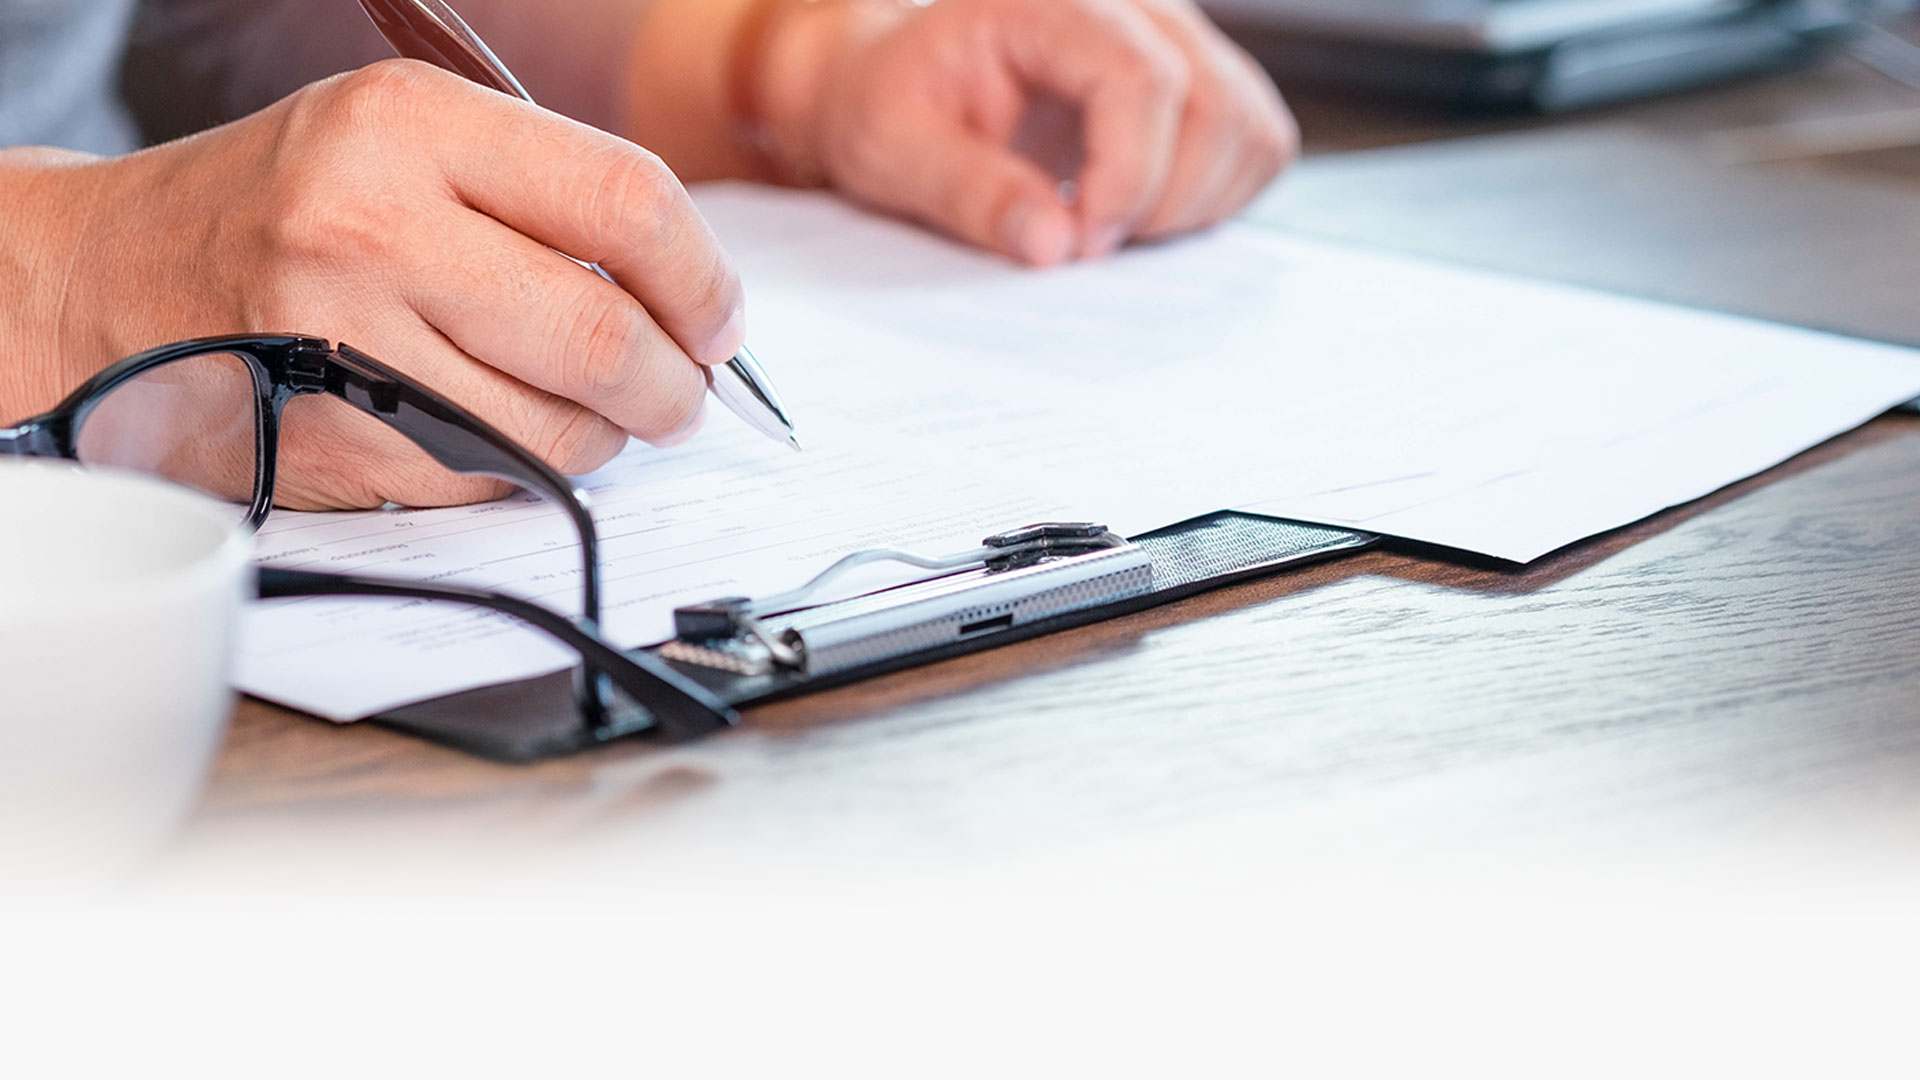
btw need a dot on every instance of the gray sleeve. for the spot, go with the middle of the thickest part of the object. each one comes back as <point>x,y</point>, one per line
<point>246,54</point>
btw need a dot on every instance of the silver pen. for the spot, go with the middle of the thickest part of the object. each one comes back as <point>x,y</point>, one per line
<point>430,31</point>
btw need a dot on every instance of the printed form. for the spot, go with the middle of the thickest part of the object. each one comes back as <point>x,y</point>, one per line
<point>945,395</point>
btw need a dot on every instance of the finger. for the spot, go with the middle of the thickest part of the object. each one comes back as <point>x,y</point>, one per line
<point>589,194</point>
<point>1274,145</point>
<point>1275,142</point>
<point>550,325</point>
<point>1233,114</point>
<point>1207,159</point>
<point>334,456</point>
<point>978,190</point>
<point>1257,173</point>
<point>1131,84</point>
<point>1207,154</point>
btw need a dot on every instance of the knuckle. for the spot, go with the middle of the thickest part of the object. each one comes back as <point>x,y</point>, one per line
<point>704,295</point>
<point>373,97</point>
<point>328,195</point>
<point>1276,146</point>
<point>581,443</point>
<point>633,200</point>
<point>309,221</point>
<point>600,347</point>
<point>303,232</point>
<point>1208,113</point>
<point>713,297</point>
<point>678,402</point>
<point>1287,144</point>
<point>1161,71</point>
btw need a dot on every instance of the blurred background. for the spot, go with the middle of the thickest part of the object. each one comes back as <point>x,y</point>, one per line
<point>1543,54</point>
<point>1363,73</point>
<point>1827,82</point>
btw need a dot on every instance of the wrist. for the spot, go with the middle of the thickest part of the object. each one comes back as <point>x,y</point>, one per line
<point>51,196</point>
<point>678,100</point>
<point>786,64</point>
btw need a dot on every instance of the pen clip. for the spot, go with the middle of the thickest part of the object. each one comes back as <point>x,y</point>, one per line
<point>430,31</point>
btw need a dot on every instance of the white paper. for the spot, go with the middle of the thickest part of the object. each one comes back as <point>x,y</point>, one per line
<point>945,395</point>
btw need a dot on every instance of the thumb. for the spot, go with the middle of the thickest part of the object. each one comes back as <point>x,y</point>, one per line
<point>981,192</point>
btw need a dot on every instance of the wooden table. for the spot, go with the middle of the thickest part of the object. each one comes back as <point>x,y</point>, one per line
<point>1746,668</point>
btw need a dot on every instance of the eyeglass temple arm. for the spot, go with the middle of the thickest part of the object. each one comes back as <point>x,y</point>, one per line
<point>682,709</point>
<point>29,440</point>
<point>463,443</point>
<point>466,444</point>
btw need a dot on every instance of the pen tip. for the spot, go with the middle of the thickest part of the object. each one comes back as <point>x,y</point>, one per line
<point>794,441</point>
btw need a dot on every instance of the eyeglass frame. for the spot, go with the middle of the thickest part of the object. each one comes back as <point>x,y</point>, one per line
<point>283,367</point>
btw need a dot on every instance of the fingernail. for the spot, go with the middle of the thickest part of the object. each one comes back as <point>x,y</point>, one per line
<point>728,341</point>
<point>1040,235</point>
<point>691,429</point>
<point>1105,242</point>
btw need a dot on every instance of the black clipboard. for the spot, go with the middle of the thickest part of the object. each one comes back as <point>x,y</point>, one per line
<point>539,718</point>
<point>1597,203</point>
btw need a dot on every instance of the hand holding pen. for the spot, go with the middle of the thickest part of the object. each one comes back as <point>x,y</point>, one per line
<point>432,32</point>
<point>416,215</point>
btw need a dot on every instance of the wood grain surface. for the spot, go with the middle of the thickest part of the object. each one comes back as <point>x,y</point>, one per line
<point>1745,666</point>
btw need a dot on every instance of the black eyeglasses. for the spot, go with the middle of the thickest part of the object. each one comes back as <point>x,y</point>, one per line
<point>208,414</point>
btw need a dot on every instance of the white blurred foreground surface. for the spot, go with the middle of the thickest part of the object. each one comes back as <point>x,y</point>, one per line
<point>1405,974</point>
<point>120,597</point>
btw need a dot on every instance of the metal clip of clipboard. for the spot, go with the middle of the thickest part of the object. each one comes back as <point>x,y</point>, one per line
<point>1016,585</point>
<point>1038,572</point>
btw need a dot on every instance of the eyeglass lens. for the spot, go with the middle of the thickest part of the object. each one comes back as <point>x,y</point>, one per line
<point>194,421</point>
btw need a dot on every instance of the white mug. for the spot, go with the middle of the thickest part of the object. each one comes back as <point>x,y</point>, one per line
<point>119,596</point>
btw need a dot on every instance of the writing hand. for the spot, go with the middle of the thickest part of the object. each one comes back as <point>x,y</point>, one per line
<point>415,215</point>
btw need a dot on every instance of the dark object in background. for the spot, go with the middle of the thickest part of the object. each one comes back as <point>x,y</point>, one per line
<point>1546,55</point>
